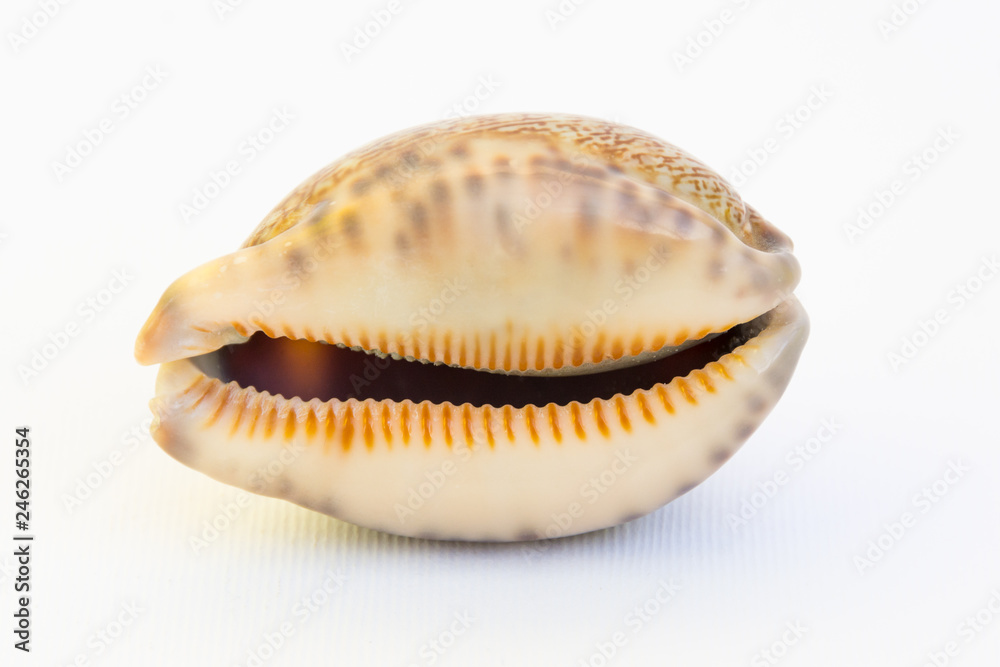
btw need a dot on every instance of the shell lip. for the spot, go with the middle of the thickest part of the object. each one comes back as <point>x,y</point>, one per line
<point>788,320</point>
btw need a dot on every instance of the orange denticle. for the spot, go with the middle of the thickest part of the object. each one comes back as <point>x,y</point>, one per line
<point>447,348</point>
<point>239,407</point>
<point>425,422</point>
<point>386,424</point>
<point>574,411</point>
<point>622,413</point>
<point>404,422</point>
<point>347,434</point>
<point>644,408</point>
<point>467,424</point>
<point>290,425</point>
<point>311,422</point>
<point>686,391</point>
<point>488,423</point>
<point>507,417</point>
<point>223,399</point>
<point>270,417</point>
<point>602,426</point>
<point>637,344</point>
<point>529,418</point>
<point>598,353</point>
<point>330,421</point>
<point>446,422</point>
<point>720,369</point>
<point>206,390</point>
<point>253,409</point>
<point>368,431</point>
<point>705,381</point>
<point>661,391</point>
<point>554,422</point>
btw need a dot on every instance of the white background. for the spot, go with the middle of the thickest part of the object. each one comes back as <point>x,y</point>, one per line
<point>879,99</point>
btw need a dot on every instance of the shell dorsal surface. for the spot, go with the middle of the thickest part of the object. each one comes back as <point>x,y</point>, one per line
<point>484,145</point>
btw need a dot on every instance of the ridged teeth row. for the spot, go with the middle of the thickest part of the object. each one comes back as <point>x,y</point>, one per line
<point>506,352</point>
<point>345,424</point>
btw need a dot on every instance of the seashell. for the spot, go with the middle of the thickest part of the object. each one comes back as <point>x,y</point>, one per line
<point>502,328</point>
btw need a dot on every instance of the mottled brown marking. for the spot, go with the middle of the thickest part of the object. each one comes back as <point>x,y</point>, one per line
<point>588,214</point>
<point>418,217</point>
<point>720,455</point>
<point>402,243</point>
<point>440,194</point>
<point>352,228</point>
<point>361,186</point>
<point>474,184</point>
<point>686,488</point>
<point>716,269</point>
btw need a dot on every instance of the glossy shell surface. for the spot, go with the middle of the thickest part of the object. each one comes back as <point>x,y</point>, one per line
<point>519,248</point>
